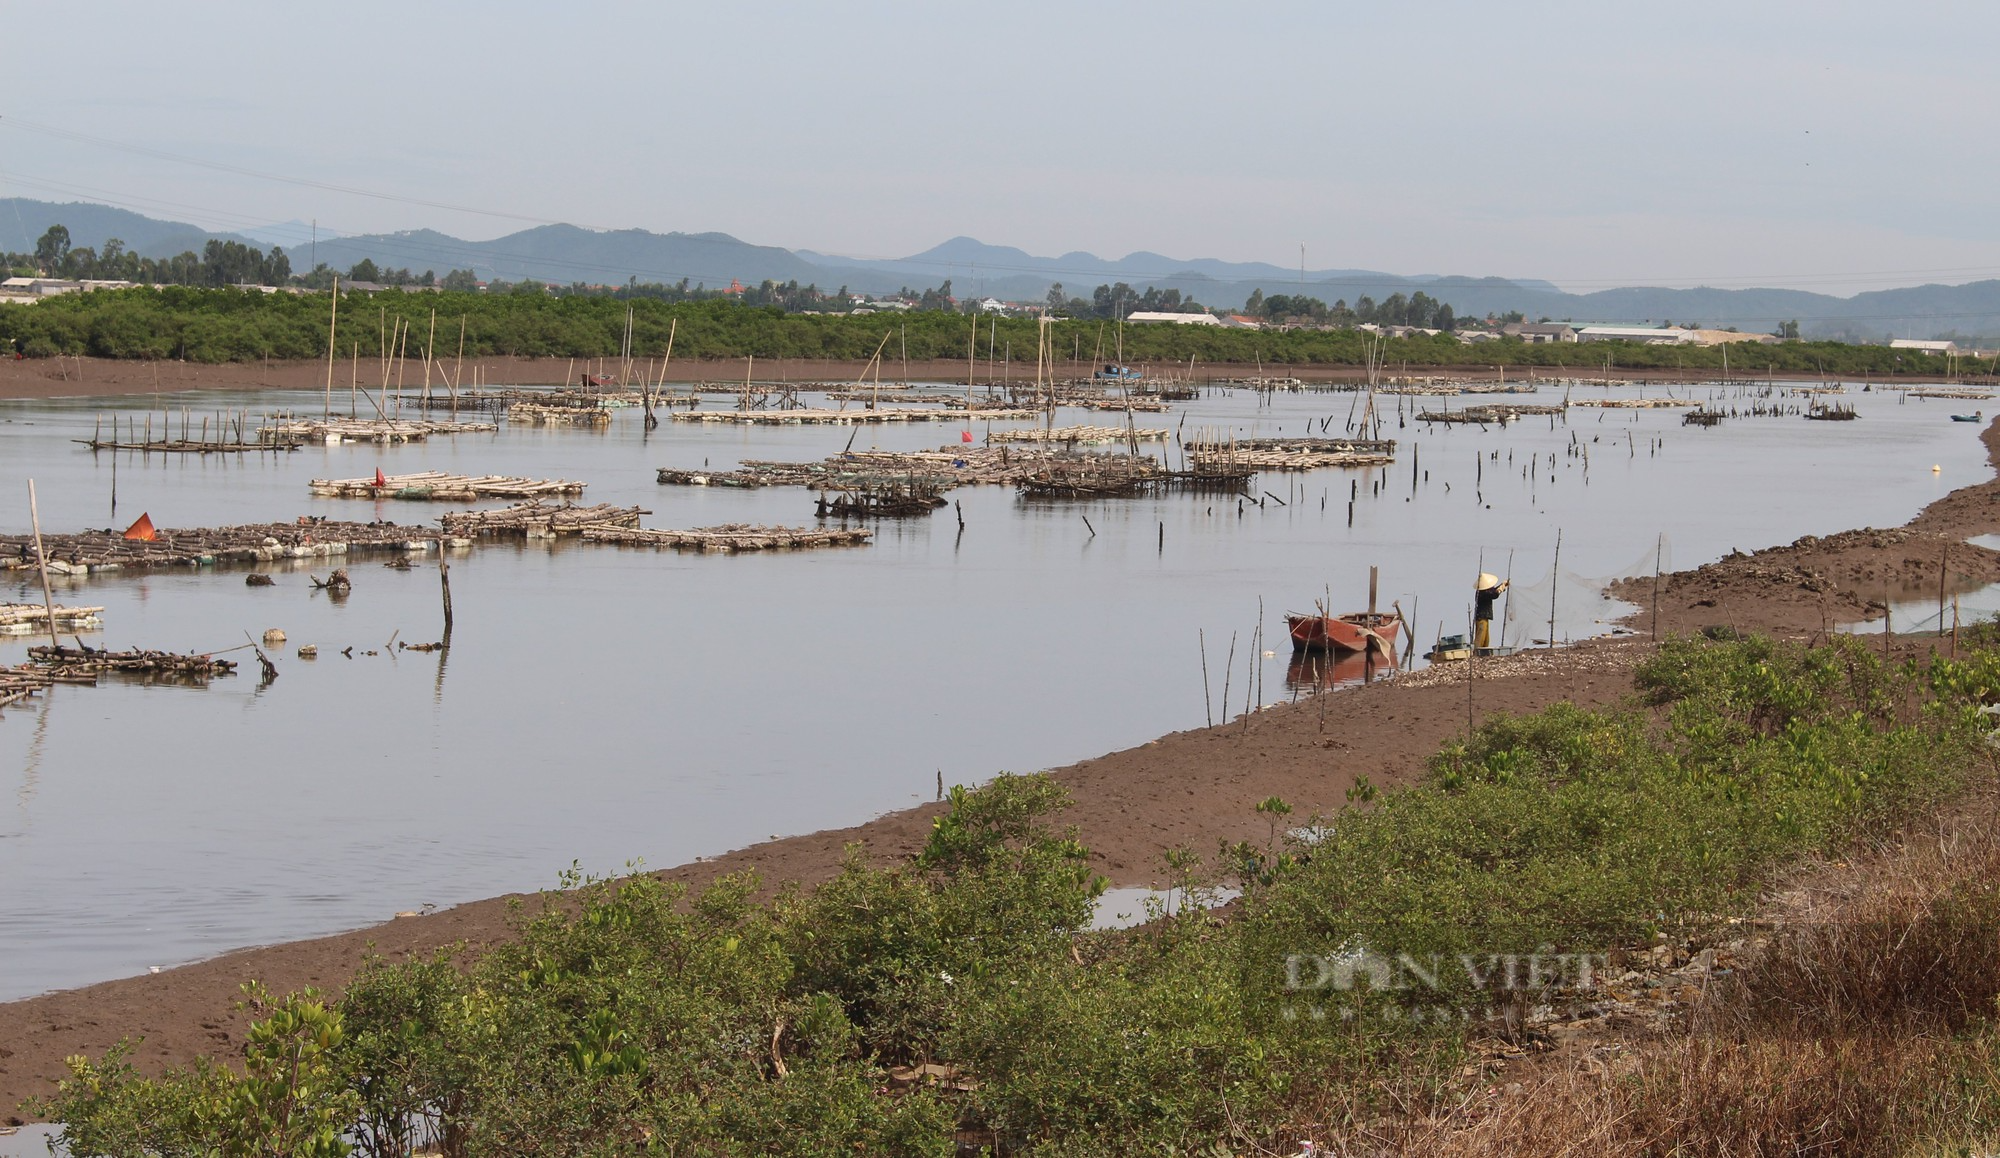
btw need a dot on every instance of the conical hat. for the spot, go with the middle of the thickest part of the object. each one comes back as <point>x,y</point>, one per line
<point>1488,581</point>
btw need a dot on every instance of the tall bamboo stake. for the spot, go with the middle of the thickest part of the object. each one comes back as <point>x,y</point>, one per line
<point>332,323</point>
<point>42,561</point>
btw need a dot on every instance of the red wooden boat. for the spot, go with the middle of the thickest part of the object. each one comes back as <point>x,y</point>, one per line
<point>1344,633</point>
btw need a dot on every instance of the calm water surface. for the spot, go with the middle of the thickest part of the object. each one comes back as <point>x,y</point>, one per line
<point>605,705</point>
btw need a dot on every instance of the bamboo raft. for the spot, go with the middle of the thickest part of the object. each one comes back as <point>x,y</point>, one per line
<point>811,417</point>
<point>1094,477</point>
<point>1137,405</point>
<point>1304,453</point>
<point>1077,435</point>
<point>28,618</point>
<point>734,537</point>
<point>539,414</point>
<point>532,520</point>
<point>1967,395</point>
<point>384,430</point>
<point>1490,414</point>
<point>438,486</point>
<point>1703,418</point>
<point>947,467</point>
<point>1635,403</point>
<point>108,550</point>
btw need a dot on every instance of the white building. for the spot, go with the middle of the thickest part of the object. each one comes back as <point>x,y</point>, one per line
<point>1646,335</point>
<point>1924,347</point>
<point>1177,319</point>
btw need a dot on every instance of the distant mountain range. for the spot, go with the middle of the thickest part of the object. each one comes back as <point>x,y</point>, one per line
<point>567,253</point>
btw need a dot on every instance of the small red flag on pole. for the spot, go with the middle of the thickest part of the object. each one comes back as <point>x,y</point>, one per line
<point>379,480</point>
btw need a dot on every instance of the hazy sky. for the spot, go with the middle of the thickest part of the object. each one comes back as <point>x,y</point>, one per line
<point>1828,145</point>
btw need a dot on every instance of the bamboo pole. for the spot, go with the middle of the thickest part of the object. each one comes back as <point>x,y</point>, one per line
<point>42,564</point>
<point>333,322</point>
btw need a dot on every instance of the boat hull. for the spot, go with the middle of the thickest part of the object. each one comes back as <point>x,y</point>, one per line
<point>1341,634</point>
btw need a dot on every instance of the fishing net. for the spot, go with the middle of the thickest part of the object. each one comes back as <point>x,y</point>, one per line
<point>1577,600</point>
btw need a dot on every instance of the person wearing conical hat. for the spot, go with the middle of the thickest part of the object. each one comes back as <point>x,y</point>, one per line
<point>1484,596</point>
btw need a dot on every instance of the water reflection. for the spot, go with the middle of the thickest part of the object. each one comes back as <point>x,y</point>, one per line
<point>1311,671</point>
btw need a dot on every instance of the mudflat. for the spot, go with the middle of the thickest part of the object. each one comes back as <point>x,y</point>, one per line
<point>83,377</point>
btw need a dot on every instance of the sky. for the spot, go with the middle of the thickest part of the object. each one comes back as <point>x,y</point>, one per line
<point>1830,146</point>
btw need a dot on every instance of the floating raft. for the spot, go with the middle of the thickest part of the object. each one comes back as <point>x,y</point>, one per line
<point>1968,395</point>
<point>27,618</point>
<point>1077,435</point>
<point>1703,418</point>
<point>1636,403</point>
<point>1291,453</point>
<point>109,550</point>
<point>437,486</point>
<point>337,430</point>
<point>732,537</point>
<point>946,467</point>
<point>1100,476</point>
<point>1487,415</point>
<point>809,417</point>
<point>539,414</point>
<point>1138,405</point>
<point>532,520</point>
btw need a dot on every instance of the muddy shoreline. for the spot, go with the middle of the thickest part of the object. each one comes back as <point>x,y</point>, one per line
<point>84,377</point>
<point>1189,789</point>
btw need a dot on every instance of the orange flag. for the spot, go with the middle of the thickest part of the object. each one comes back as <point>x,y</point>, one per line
<point>141,531</point>
<point>379,480</point>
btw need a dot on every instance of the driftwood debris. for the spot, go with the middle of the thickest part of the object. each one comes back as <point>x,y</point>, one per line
<point>438,486</point>
<point>732,537</point>
<point>65,663</point>
<point>533,520</point>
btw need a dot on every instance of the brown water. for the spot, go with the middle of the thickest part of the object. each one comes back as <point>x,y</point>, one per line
<point>607,705</point>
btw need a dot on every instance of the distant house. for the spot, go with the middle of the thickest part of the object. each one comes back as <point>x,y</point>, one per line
<point>992,306</point>
<point>1727,337</point>
<point>1645,335</point>
<point>1537,333</point>
<point>1924,347</point>
<point>1239,322</point>
<point>38,287</point>
<point>1176,319</point>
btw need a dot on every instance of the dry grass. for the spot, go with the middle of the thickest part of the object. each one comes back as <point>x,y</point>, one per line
<point>1864,1025</point>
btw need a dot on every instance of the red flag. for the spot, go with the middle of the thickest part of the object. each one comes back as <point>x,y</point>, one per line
<point>141,531</point>
<point>379,480</point>
<point>965,436</point>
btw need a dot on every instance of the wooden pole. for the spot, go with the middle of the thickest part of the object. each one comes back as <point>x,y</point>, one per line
<point>333,322</point>
<point>1555,583</point>
<point>1944,557</point>
<point>42,564</point>
<point>444,581</point>
<point>1659,550</point>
